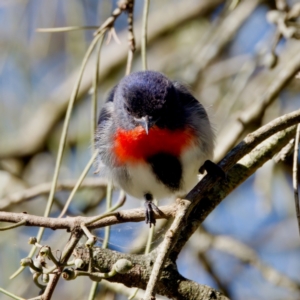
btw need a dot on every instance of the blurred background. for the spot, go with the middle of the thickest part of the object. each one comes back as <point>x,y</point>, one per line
<point>249,247</point>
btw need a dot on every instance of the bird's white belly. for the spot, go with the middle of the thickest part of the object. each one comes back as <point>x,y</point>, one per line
<point>142,180</point>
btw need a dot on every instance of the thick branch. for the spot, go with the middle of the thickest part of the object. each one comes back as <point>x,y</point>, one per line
<point>205,202</point>
<point>171,284</point>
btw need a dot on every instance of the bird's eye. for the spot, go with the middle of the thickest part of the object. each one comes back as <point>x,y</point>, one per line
<point>128,109</point>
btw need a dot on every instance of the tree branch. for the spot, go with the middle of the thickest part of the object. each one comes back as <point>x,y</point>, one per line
<point>44,188</point>
<point>171,284</point>
<point>205,202</point>
<point>164,249</point>
<point>67,252</point>
<point>124,216</point>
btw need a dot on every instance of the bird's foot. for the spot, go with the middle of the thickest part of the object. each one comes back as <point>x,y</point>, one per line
<point>212,169</point>
<point>149,208</point>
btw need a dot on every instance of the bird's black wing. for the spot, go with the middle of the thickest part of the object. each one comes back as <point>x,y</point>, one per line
<point>197,118</point>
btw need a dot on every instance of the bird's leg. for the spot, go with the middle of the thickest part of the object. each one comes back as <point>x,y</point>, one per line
<point>212,169</point>
<point>149,207</point>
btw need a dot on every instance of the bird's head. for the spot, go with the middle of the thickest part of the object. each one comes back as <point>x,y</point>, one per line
<point>146,99</point>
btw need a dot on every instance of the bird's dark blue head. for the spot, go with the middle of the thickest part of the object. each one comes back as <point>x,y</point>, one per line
<point>147,98</point>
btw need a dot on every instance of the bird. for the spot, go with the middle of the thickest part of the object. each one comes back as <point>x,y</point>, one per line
<point>153,138</point>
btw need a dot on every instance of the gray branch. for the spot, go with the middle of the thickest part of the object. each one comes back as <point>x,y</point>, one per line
<point>171,284</point>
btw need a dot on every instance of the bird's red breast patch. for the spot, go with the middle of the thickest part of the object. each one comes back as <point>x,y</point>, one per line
<point>136,145</point>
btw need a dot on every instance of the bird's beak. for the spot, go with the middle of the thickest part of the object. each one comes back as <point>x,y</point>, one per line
<point>144,122</point>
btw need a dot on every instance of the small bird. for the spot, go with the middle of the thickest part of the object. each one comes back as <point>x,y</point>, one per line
<point>153,138</point>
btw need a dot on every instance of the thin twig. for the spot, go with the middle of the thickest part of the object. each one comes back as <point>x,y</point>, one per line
<point>147,250</point>
<point>3,291</point>
<point>95,284</point>
<point>284,152</point>
<point>109,212</point>
<point>78,183</point>
<point>67,252</point>
<point>93,290</point>
<point>207,264</point>
<point>44,188</point>
<point>108,208</point>
<point>131,39</point>
<point>67,28</point>
<point>219,36</point>
<point>144,34</point>
<point>95,95</point>
<point>275,41</point>
<point>129,62</point>
<point>21,223</point>
<point>135,291</point>
<point>149,240</point>
<point>295,175</point>
<point>122,6</point>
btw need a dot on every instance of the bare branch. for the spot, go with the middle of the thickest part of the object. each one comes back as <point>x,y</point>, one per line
<point>295,175</point>
<point>44,188</point>
<point>67,252</point>
<point>172,285</point>
<point>131,215</point>
<point>19,224</point>
<point>165,248</point>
